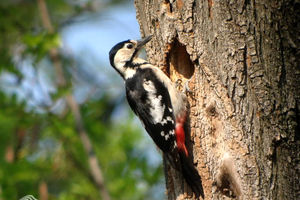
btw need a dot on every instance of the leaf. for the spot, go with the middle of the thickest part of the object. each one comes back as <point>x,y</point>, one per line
<point>41,44</point>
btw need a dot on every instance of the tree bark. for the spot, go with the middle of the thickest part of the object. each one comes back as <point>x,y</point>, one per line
<point>242,62</point>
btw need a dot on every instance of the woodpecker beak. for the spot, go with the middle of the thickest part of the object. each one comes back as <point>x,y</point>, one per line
<point>142,42</point>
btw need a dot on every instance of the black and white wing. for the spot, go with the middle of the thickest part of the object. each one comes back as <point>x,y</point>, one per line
<point>149,99</point>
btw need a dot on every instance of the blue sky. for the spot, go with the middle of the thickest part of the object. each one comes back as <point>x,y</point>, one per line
<point>101,33</point>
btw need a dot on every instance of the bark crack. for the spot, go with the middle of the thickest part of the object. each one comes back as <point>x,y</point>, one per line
<point>282,78</point>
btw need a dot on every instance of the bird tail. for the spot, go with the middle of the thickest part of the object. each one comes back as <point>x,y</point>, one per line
<point>191,175</point>
<point>182,163</point>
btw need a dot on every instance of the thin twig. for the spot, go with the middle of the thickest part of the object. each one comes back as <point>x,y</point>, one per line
<point>94,166</point>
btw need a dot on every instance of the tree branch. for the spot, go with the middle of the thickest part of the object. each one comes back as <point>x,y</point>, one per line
<point>94,166</point>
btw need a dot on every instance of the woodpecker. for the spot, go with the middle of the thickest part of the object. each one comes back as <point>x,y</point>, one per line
<point>161,108</point>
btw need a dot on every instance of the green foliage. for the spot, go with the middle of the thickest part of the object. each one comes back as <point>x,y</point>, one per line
<point>14,20</point>
<point>40,146</point>
<point>39,45</point>
<point>55,154</point>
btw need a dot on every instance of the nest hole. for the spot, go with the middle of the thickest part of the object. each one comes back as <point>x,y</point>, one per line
<point>179,61</point>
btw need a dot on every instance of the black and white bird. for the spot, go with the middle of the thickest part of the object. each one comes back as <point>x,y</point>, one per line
<point>161,108</point>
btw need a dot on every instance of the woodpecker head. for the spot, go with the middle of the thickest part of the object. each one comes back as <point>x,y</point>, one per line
<point>123,55</point>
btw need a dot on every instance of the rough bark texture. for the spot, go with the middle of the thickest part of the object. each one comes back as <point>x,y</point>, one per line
<point>242,59</point>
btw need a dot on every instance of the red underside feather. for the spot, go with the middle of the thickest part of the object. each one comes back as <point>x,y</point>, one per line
<point>180,136</point>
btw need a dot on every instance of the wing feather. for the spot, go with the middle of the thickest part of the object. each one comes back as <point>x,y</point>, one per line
<point>150,101</point>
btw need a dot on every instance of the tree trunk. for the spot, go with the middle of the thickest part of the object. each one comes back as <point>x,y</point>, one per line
<point>242,60</point>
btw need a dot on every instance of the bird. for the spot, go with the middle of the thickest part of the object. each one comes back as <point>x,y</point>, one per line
<point>161,108</point>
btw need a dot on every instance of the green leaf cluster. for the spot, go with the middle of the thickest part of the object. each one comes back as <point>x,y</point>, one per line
<point>39,45</point>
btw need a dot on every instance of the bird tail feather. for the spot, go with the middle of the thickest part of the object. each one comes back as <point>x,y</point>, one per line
<point>184,164</point>
<point>191,175</point>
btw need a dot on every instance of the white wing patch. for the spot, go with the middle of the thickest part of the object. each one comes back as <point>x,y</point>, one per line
<point>155,102</point>
<point>165,121</point>
<point>170,119</point>
<point>167,137</point>
<point>172,132</point>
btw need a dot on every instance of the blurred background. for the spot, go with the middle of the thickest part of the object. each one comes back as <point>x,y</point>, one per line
<point>66,131</point>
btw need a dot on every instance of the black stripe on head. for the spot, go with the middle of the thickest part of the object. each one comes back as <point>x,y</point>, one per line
<point>135,65</point>
<point>132,57</point>
<point>130,63</point>
<point>114,50</point>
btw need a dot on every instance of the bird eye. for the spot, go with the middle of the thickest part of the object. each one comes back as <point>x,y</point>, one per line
<point>129,46</point>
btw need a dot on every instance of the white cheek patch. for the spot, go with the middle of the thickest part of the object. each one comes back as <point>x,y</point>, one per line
<point>155,102</point>
<point>120,60</point>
